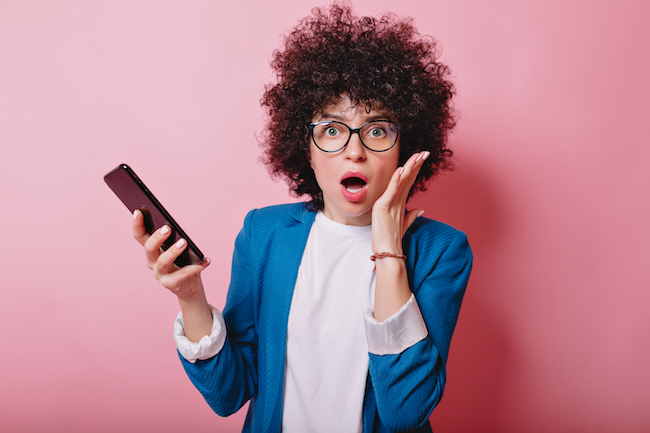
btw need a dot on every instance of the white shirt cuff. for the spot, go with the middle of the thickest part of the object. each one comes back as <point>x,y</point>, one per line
<point>208,346</point>
<point>397,333</point>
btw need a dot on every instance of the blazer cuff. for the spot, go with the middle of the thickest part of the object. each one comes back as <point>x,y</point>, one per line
<point>208,346</point>
<point>397,333</point>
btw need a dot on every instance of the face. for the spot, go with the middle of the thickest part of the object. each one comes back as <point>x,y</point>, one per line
<point>353,178</point>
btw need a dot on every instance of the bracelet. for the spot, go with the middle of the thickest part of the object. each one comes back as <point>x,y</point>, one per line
<point>384,255</point>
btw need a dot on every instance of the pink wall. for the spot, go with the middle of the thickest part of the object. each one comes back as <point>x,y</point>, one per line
<point>552,189</point>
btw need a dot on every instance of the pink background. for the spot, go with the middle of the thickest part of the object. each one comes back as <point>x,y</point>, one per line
<point>552,189</point>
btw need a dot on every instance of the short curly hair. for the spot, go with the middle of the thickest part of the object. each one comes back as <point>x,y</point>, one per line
<point>373,61</point>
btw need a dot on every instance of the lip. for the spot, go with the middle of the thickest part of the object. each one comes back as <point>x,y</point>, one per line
<point>358,195</point>
<point>358,174</point>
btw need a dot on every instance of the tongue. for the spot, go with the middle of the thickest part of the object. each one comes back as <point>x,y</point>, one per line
<point>353,183</point>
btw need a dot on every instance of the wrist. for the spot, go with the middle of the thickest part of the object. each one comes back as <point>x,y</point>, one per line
<point>193,300</point>
<point>197,316</point>
<point>385,255</point>
<point>392,290</point>
<point>387,247</point>
<point>390,266</point>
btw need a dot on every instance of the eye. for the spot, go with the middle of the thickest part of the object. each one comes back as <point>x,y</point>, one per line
<point>331,131</point>
<point>377,132</point>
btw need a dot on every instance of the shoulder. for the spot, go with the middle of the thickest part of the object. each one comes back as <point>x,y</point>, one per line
<point>426,229</point>
<point>434,239</point>
<point>275,232</point>
<point>280,215</point>
<point>264,223</point>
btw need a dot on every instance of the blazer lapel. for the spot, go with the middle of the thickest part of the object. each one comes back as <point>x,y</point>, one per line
<point>288,250</point>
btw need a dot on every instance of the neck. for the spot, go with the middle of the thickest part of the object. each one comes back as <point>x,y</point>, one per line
<point>350,220</point>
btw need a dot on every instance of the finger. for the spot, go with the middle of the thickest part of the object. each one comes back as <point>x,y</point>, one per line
<point>165,262</point>
<point>405,176</point>
<point>154,243</point>
<point>392,189</point>
<point>139,232</point>
<point>414,164</point>
<point>174,280</point>
<point>403,179</point>
<point>411,170</point>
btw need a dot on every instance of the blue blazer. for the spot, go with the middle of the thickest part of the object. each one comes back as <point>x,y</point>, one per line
<point>401,389</point>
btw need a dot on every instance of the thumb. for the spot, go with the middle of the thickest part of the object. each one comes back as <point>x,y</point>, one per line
<point>410,217</point>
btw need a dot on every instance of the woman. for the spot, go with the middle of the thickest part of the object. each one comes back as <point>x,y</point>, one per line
<point>314,334</point>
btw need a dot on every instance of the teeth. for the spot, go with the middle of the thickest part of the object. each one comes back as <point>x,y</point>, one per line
<point>353,190</point>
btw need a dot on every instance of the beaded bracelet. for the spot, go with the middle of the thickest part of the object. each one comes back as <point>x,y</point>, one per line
<point>384,255</point>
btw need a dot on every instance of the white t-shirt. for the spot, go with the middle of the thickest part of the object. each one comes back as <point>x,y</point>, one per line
<point>327,350</point>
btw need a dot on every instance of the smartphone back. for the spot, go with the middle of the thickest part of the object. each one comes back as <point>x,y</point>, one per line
<point>135,195</point>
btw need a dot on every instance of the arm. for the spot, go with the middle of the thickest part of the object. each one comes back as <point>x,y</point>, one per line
<point>408,385</point>
<point>229,379</point>
<point>389,224</point>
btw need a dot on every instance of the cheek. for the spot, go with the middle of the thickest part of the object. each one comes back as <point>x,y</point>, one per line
<point>388,174</point>
<point>391,165</point>
<point>320,169</point>
<point>387,171</point>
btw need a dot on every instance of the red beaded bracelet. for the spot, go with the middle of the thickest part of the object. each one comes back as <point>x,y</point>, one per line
<point>384,255</point>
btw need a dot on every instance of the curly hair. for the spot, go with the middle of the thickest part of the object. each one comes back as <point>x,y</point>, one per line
<point>374,61</point>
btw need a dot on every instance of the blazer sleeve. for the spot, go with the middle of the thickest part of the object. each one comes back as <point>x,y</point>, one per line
<point>408,385</point>
<point>229,379</point>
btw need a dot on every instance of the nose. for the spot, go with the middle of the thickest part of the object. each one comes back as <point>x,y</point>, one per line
<point>355,150</point>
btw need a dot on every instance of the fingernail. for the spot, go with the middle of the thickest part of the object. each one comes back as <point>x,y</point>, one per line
<point>418,158</point>
<point>426,154</point>
<point>180,244</point>
<point>206,261</point>
<point>420,213</point>
<point>135,214</point>
<point>401,170</point>
<point>164,230</point>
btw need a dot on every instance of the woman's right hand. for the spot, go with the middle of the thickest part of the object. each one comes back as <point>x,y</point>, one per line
<point>184,282</point>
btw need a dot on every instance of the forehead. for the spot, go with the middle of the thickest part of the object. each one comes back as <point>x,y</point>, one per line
<point>346,109</point>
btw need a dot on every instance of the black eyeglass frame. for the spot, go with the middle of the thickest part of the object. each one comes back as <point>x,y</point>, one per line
<point>352,131</point>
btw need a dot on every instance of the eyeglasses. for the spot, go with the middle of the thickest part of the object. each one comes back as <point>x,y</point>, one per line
<point>331,136</point>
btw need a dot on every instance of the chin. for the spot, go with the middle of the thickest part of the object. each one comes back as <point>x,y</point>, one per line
<point>355,212</point>
<point>352,209</point>
<point>347,212</point>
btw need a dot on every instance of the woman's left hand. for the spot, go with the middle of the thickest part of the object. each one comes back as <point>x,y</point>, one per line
<point>389,220</point>
<point>389,223</point>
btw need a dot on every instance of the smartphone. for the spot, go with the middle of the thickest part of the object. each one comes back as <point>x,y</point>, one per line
<point>135,195</point>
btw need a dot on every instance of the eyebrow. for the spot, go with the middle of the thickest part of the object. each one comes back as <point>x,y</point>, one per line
<point>381,116</point>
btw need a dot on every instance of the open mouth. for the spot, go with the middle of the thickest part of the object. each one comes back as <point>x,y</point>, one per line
<point>353,184</point>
